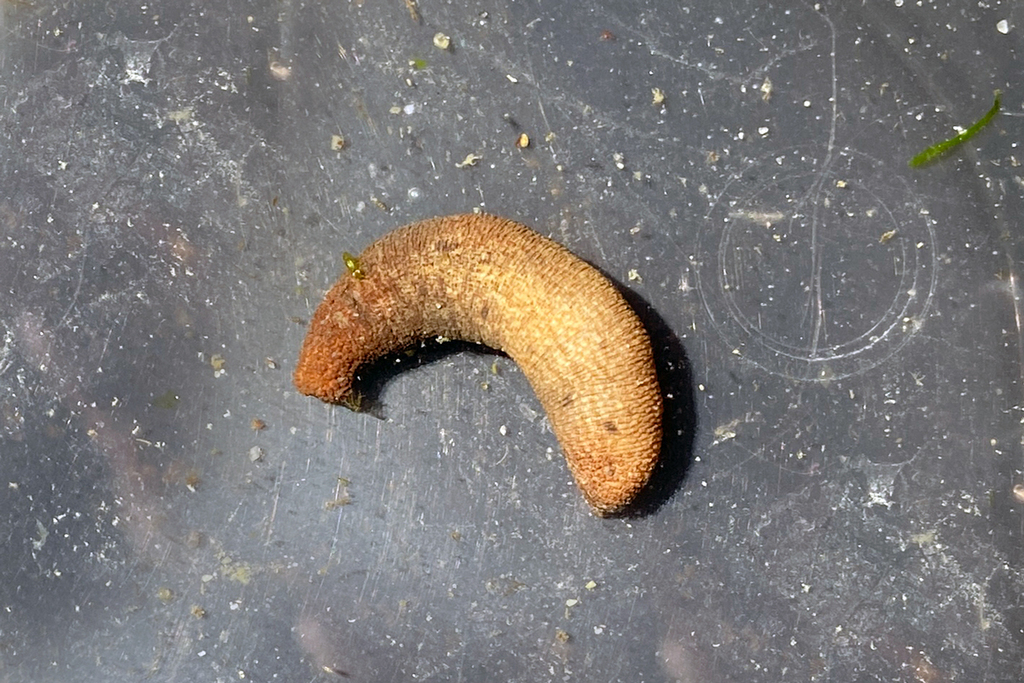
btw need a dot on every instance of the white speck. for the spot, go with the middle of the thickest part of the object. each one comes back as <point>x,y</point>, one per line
<point>409,109</point>
<point>1003,26</point>
<point>415,193</point>
<point>763,131</point>
<point>807,103</point>
<point>899,3</point>
<point>571,602</point>
<point>256,454</point>
<point>503,430</point>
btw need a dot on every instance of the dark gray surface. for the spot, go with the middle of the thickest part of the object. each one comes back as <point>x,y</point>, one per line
<point>169,202</point>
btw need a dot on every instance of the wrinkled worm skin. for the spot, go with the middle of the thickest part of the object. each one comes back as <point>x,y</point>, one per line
<point>490,280</point>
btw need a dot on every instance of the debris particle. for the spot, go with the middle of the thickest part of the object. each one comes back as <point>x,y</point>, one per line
<point>841,184</point>
<point>620,160</point>
<point>634,276</point>
<point>607,36</point>
<point>725,432</point>
<point>523,141</point>
<point>1018,493</point>
<point>414,12</point>
<point>270,363</point>
<point>886,236</point>
<point>591,585</point>
<point>379,203</point>
<point>766,90</point>
<point>470,160</point>
<point>257,424</point>
<point>561,636</point>
<point>194,539</point>
<point>657,96</point>
<point>279,71</point>
<point>217,361</point>
<point>340,501</point>
<point>164,594</point>
<point>198,612</point>
<point>337,142</point>
<point>1003,26</point>
<point>442,42</point>
<point>925,538</point>
<point>180,115</point>
<point>511,78</point>
<point>167,401</point>
<point>256,454</point>
<point>354,402</point>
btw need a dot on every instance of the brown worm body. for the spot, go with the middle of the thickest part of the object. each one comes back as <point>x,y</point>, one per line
<point>486,279</point>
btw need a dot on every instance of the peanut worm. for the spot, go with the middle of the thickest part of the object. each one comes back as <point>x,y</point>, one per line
<point>490,280</point>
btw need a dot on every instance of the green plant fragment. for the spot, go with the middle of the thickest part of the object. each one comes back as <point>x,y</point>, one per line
<point>352,264</point>
<point>941,148</point>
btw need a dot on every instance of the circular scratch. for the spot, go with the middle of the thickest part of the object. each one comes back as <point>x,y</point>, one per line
<point>814,275</point>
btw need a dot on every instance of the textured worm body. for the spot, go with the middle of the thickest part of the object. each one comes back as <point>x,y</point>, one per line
<point>486,279</point>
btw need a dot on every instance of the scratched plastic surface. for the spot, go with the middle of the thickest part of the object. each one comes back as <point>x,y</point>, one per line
<point>840,503</point>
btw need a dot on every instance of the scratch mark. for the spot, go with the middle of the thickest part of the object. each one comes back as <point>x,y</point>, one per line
<point>277,498</point>
<point>78,287</point>
<point>816,303</point>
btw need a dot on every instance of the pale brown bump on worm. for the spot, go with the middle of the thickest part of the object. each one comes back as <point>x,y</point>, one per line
<point>490,280</point>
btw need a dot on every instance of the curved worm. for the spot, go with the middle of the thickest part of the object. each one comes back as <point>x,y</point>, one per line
<point>490,280</point>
